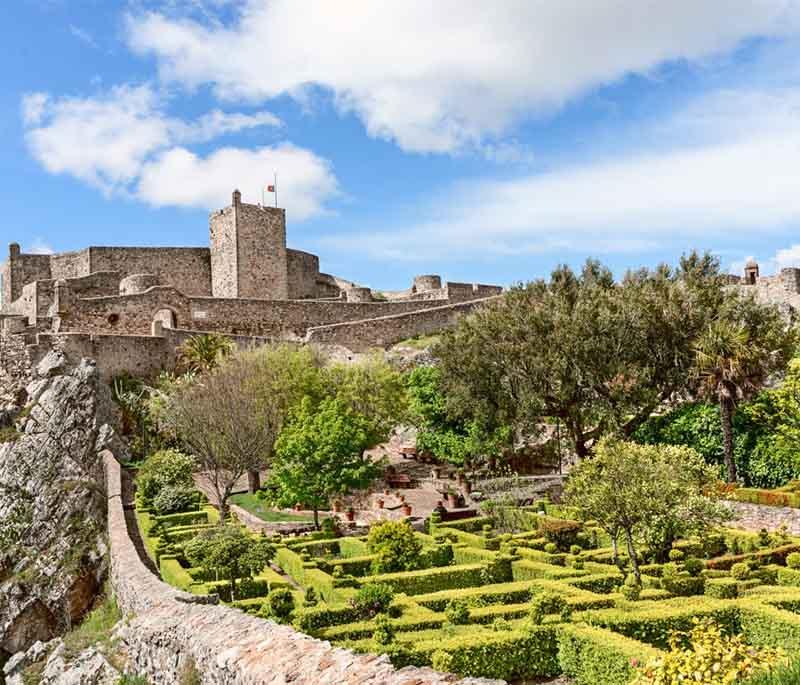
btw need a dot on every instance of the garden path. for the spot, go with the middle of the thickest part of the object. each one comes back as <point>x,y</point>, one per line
<point>757,516</point>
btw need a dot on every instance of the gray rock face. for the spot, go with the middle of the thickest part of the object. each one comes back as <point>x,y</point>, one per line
<point>90,667</point>
<point>52,504</point>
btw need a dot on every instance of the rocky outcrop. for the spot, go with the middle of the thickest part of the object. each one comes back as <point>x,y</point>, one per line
<point>50,665</point>
<point>53,556</point>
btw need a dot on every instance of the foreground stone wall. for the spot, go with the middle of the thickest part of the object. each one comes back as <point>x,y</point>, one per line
<point>167,630</point>
<point>388,330</point>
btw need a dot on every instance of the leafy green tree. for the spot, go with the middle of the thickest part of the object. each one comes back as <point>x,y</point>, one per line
<point>448,438</point>
<point>652,493</point>
<point>735,355</point>
<point>372,389</point>
<point>320,454</point>
<point>596,355</point>
<point>203,353</point>
<point>164,469</point>
<point>394,545</point>
<point>230,552</point>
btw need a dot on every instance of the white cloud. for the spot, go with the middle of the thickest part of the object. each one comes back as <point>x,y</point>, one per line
<point>83,35</point>
<point>122,141</point>
<point>440,76</point>
<point>39,246</point>
<point>742,180</point>
<point>179,177</point>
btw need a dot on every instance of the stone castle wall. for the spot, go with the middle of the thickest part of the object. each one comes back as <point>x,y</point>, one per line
<point>388,330</point>
<point>168,630</point>
<point>303,273</point>
<point>186,268</point>
<point>134,314</point>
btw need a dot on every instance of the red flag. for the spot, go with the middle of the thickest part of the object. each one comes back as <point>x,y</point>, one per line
<point>270,189</point>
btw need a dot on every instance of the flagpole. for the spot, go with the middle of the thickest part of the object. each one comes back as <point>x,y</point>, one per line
<point>275,181</point>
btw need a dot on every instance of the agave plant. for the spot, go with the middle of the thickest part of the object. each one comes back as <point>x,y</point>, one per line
<point>203,353</point>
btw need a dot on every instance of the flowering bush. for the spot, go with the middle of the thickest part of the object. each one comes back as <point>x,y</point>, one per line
<point>712,659</point>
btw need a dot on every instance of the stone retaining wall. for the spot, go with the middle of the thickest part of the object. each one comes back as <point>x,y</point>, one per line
<point>167,631</point>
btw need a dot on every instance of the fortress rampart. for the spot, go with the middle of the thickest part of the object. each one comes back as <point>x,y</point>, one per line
<point>118,304</point>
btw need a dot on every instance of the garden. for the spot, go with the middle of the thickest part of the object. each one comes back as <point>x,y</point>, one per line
<point>519,592</point>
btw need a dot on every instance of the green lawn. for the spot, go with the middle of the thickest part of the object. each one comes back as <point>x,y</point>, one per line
<point>258,508</point>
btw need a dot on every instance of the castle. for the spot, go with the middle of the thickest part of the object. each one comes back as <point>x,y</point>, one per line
<point>130,307</point>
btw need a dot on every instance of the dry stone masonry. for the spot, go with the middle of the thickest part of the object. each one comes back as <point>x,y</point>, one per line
<point>246,283</point>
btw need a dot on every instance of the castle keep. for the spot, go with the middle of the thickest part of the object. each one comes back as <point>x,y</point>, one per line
<point>129,307</point>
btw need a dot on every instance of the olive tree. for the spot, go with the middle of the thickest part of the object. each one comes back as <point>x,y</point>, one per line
<point>652,493</point>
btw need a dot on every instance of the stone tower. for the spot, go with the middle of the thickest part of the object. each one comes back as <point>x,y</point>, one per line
<point>248,252</point>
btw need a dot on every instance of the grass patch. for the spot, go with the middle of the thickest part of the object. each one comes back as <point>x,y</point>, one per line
<point>95,628</point>
<point>261,509</point>
<point>420,342</point>
<point>784,675</point>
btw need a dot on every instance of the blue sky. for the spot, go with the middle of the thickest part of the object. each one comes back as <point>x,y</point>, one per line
<point>483,141</point>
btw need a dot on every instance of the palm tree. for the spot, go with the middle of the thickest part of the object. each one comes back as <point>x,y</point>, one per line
<point>734,358</point>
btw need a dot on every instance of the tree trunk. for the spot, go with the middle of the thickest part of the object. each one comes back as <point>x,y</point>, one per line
<point>632,555</point>
<point>253,481</point>
<point>726,415</point>
<point>615,551</point>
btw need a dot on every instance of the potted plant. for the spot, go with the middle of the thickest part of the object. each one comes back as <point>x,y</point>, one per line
<point>452,499</point>
<point>380,502</point>
<point>406,509</point>
<point>351,514</point>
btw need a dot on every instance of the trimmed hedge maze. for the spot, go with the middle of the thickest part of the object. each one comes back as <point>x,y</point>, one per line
<point>543,601</point>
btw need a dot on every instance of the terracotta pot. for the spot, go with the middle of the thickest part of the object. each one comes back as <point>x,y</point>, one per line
<point>406,509</point>
<point>380,504</point>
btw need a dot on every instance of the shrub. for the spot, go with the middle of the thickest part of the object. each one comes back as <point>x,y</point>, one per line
<point>279,605</point>
<point>372,599</point>
<point>693,566</point>
<point>457,611</point>
<point>793,560</point>
<point>551,548</point>
<point>501,624</point>
<point>310,597</point>
<point>676,555</point>
<point>716,658</point>
<point>395,546</point>
<point>384,630</point>
<point>722,588</point>
<point>166,468</point>
<point>631,590</point>
<point>173,499</point>
<point>740,571</point>
<point>548,603</point>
